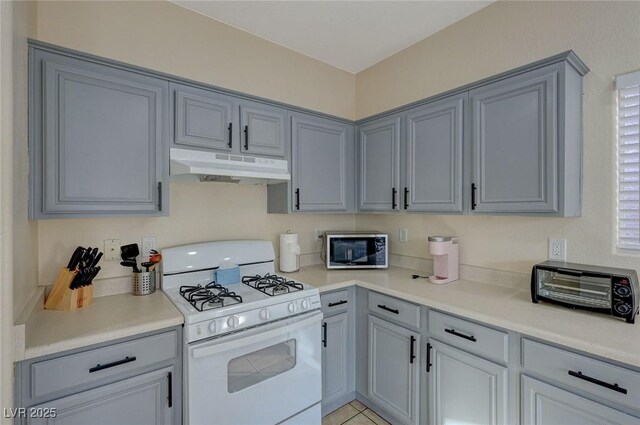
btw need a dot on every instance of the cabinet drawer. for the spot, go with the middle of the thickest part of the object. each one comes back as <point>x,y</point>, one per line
<point>395,309</point>
<point>486,342</point>
<point>335,302</point>
<point>584,373</point>
<point>62,373</point>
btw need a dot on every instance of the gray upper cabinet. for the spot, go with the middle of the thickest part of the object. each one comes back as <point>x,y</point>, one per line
<point>98,139</point>
<point>263,129</point>
<point>526,143</point>
<point>433,155</point>
<point>465,389</point>
<point>379,164</point>
<point>204,119</point>
<point>322,153</point>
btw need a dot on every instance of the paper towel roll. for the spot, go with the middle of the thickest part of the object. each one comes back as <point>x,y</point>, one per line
<point>289,252</point>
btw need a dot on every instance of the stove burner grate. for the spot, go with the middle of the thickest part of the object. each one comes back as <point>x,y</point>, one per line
<point>272,284</point>
<point>209,296</point>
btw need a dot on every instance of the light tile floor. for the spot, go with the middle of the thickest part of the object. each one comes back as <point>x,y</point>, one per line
<point>354,413</point>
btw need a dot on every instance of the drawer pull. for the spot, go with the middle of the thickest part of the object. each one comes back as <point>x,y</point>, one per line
<point>467,337</point>
<point>411,353</point>
<point>170,389</point>
<point>108,365</point>
<point>324,334</point>
<point>337,303</point>
<point>613,387</point>
<point>391,310</point>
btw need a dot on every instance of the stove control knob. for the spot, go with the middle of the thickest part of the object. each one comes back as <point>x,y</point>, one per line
<point>304,304</point>
<point>264,314</point>
<point>292,307</point>
<point>212,326</point>
<point>233,321</point>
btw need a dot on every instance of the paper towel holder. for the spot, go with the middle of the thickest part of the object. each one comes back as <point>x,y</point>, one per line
<point>289,252</point>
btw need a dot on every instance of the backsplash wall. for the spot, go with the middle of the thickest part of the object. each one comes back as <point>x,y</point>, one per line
<point>198,212</point>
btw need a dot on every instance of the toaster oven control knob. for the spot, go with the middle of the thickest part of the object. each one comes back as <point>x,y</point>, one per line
<point>621,290</point>
<point>292,307</point>
<point>304,304</point>
<point>623,308</point>
<point>233,321</point>
<point>264,314</point>
<point>212,326</point>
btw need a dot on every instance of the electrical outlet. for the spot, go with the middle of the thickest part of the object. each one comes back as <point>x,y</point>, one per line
<point>404,235</point>
<point>111,249</point>
<point>148,244</point>
<point>558,249</point>
<point>319,234</point>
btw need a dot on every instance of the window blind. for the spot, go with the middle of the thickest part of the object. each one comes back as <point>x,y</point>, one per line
<point>628,88</point>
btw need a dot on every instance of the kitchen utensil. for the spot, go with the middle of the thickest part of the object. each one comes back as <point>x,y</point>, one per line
<point>148,264</point>
<point>75,258</point>
<point>128,252</point>
<point>143,283</point>
<point>131,263</point>
<point>97,259</point>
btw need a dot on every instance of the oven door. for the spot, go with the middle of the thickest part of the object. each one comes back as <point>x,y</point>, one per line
<point>357,252</point>
<point>261,376</point>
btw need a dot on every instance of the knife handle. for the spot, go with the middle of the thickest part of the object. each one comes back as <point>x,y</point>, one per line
<point>75,258</point>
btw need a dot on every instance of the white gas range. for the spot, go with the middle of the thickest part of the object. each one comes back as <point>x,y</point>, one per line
<point>249,345</point>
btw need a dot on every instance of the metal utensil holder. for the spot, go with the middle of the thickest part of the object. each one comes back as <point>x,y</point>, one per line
<point>144,283</point>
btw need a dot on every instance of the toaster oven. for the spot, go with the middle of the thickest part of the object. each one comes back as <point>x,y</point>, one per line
<point>604,289</point>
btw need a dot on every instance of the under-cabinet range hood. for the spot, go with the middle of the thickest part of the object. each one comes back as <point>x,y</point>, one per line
<point>228,168</point>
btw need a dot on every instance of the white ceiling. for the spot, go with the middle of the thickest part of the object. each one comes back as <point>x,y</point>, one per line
<point>351,35</point>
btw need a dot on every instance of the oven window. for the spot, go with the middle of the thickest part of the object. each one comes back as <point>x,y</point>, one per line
<point>258,366</point>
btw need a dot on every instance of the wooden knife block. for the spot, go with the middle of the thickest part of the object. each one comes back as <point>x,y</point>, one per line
<point>65,299</point>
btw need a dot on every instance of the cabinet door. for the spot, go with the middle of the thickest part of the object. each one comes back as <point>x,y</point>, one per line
<point>434,156</point>
<point>544,404</point>
<point>263,129</point>
<point>99,139</point>
<point>204,119</point>
<point>335,357</point>
<point>322,156</point>
<point>465,389</point>
<point>379,165</point>
<point>514,143</point>
<point>144,399</point>
<point>393,369</point>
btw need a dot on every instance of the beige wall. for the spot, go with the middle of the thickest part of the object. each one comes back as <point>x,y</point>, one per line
<point>505,35</point>
<point>165,37</point>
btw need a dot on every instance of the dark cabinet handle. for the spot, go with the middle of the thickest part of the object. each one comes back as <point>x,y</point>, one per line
<point>473,196</point>
<point>406,198</point>
<point>230,128</point>
<point>384,307</point>
<point>170,389</point>
<point>429,357</point>
<point>159,196</point>
<point>298,199</point>
<point>246,137</point>
<point>394,204</point>
<point>337,303</point>
<point>467,337</point>
<point>324,334</point>
<point>614,387</point>
<point>411,348</point>
<point>108,365</point>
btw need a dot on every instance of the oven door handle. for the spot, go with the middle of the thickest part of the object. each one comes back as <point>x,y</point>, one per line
<point>219,346</point>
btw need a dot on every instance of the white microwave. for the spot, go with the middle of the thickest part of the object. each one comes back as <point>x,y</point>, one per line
<point>358,250</point>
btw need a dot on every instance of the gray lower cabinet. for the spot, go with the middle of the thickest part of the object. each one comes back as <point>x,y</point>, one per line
<point>137,380</point>
<point>526,143</point>
<point>379,165</point>
<point>433,156</point>
<point>143,399</point>
<point>322,154</point>
<point>393,375</point>
<point>464,388</point>
<point>335,358</point>
<point>98,139</point>
<point>204,119</point>
<point>263,129</point>
<point>544,404</point>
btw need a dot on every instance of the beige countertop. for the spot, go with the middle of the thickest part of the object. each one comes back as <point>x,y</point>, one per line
<point>504,306</point>
<point>106,319</point>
